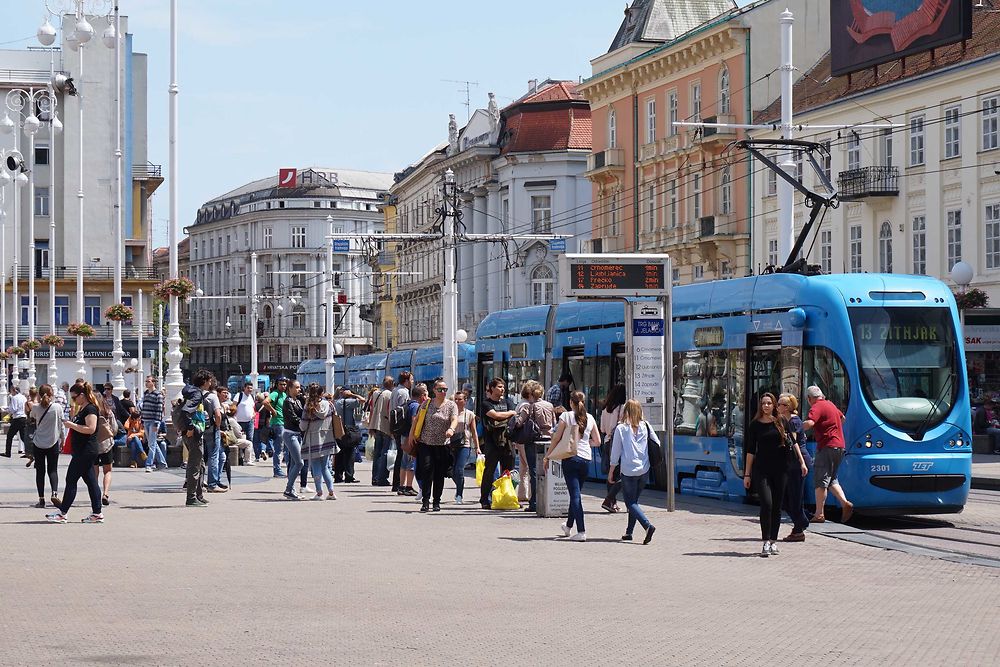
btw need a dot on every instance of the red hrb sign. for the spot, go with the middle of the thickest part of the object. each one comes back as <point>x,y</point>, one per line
<point>287,178</point>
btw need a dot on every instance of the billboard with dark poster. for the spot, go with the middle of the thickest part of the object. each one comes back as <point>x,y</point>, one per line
<point>865,33</point>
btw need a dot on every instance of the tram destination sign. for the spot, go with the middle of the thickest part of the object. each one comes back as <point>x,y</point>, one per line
<point>610,276</point>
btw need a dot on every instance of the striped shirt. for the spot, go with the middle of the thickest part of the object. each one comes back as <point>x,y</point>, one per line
<point>152,406</point>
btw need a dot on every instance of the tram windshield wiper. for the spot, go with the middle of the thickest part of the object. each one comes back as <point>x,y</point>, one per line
<point>921,431</point>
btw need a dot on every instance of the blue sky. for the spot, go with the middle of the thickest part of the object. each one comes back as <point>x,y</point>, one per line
<point>268,83</point>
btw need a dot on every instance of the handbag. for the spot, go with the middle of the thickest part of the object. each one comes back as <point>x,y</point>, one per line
<point>67,447</point>
<point>653,448</point>
<point>566,447</point>
<point>338,426</point>
<point>421,415</point>
<point>105,431</point>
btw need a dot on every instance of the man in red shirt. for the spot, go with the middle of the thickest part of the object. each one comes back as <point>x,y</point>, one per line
<point>826,421</point>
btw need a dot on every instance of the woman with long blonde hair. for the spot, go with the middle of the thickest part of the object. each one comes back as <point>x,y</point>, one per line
<point>630,451</point>
<point>575,467</point>
<point>767,468</point>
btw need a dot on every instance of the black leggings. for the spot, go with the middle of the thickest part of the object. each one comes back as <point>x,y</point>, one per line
<point>432,463</point>
<point>47,460</point>
<point>82,465</point>
<point>771,490</point>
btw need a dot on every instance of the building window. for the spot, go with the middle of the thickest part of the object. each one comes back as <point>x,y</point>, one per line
<point>724,105</point>
<point>299,275</point>
<point>772,252</point>
<point>24,311</point>
<point>298,316</point>
<point>699,272</point>
<point>650,120</point>
<point>542,286</point>
<point>993,236</point>
<point>919,245</point>
<point>675,276</point>
<point>388,336</point>
<point>952,132</point>
<point>887,147</point>
<point>798,160</point>
<point>62,310</point>
<point>673,204</point>
<point>696,102</point>
<point>916,141</point>
<point>41,155</point>
<point>853,152</point>
<point>612,129</point>
<point>541,213</point>
<point>651,207</point>
<point>990,115</point>
<point>298,237</point>
<point>771,182</point>
<point>41,201</point>
<point>672,111</point>
<point>855,249</point>
<point>268,235</point>
<point>299,352</point>
<point>726,192</point>
<point>885,248</point>
<point>826,251</point>
<point>92,310</point>
<point>696,196</point>
<point>269,276</point>
<point>613,215</point>
<point>954,238</point>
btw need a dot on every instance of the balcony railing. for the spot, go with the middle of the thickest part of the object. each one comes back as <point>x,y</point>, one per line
<point>868,182</point>
<point>102,331</point>
<point>145,172</point>
<point>720,133</point>
<point>89,272</point>
<point>612,157</point>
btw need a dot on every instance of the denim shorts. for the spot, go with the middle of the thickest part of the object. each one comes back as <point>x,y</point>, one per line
<point>826,465</point>
<point>408,462</point>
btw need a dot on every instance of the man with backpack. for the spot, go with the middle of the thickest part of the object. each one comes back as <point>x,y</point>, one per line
<point>347,407</point>
<point>188,415</point>
<point>397,416</point>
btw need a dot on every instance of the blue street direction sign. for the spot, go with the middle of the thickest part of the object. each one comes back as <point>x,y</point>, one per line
<point>557,245</point>
<point>341,245</point>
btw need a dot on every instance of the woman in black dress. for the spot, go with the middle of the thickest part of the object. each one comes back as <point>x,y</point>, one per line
<point>767,467</point>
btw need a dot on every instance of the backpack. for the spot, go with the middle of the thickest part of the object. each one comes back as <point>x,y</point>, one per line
<point>526,433</point>
<point>401,427</point>
<point>179,417</point>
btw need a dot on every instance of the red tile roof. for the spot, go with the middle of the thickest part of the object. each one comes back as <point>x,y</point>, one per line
<point>554,118</point>
<point>816,87</point>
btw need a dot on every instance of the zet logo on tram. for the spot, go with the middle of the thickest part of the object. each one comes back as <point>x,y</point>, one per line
<point>922,466</point>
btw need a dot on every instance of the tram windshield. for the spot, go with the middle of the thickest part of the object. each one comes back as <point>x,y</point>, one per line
<point>907,364</point>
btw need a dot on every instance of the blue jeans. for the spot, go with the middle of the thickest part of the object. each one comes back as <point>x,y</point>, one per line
<point>277,441</point>
<point>213,440</point>
<point>631,488</point>
<point>156,450</point>
<point>458,469</point>
<point>531,453</point>
<point>575,473</point>
<point>293,444</point>
<point>321,473</point>
<point>135,446</point>
<point>380,467</point>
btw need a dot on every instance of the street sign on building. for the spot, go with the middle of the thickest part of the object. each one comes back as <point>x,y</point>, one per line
<point>341,245</point>
<point>557,245</point>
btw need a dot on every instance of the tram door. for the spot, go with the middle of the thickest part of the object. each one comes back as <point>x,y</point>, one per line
<point>484,373</point>
<point>763,371</point>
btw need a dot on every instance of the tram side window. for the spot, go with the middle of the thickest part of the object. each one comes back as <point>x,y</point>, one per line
<point>737,375</point>
<point>701,393</point>
<point>520,372</point>
<point>823,368</point>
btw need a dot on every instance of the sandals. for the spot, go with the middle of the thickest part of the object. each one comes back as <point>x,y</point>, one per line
<point>817,519</point>
<point>609,507</point>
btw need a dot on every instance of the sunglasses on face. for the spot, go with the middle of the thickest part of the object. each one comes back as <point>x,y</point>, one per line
<point>440,389</point>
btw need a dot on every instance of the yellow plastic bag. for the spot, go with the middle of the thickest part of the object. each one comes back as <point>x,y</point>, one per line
<point>480,468</point>
<point>504,496</point>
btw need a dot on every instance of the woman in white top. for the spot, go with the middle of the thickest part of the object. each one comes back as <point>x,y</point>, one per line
<point>462,443</point>
<point>49,434</point>
<point>575,467</point>
<point>611,416</point>
<point>630,451</point>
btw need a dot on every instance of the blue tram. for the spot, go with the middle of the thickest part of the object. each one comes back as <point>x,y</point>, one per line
<point>883,348</point>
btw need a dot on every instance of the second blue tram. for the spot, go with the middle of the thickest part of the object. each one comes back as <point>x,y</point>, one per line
<point>883,348</point>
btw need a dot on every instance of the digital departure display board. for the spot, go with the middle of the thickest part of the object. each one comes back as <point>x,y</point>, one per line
<point>616,275</point>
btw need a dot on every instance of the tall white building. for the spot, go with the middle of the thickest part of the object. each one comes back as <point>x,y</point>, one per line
<point>520,172</point>
<point>55,168</point>
<point>284,219</point>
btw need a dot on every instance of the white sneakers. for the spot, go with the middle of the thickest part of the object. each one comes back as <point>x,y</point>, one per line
<point>579,537</point>
<point>769,549</point>
<point>566,530</point>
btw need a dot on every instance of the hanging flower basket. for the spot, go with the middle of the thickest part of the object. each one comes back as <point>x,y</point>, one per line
<point>77,329</point>
<point>119,313</point>
<point>15,351</point>
<point>4,356</point>
<point>53,340</point>
<point>182,288</point>
<point>30,344</point>
<point>971,298</point>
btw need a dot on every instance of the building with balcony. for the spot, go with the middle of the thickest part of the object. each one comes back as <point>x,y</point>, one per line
<point>284,220</point>
<point>658,187</point>
<point>519,170</point>
<point>917,197</point>
<point>55,167</point>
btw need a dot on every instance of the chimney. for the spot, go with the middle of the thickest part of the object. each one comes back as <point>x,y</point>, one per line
<point>532,86</point>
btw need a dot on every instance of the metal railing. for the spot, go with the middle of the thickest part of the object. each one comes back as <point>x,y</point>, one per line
<point>147,171</point>
<point>868,182</point>
<point>89,272</point>
<point>102,331</point>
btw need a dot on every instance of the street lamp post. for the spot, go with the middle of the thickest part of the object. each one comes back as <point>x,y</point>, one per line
<point>254,371</point>
<point>138,317</point>
<point>5,180</point>
<point>159,347</point>
<point>449,292</point>
<point>175,381</point>
<point>331,361</point>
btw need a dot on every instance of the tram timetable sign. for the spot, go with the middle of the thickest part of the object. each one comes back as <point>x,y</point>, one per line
<point>609,276</point>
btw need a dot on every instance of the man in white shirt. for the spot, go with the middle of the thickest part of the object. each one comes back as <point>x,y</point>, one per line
<point>17,419</point>
<point>245,415</point>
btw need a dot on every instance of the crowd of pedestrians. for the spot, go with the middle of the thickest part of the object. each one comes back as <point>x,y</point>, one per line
<point>420,436</point>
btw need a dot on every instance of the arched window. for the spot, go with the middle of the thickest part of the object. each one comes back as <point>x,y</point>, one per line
<point>612,130</point>
<point>726,192</point>
<point>885,248</point>
<point>724,105</point>
<point>542,286</point>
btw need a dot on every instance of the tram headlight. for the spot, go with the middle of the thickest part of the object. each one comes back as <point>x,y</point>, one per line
<point>959,442</point>
<point>878,443</point>
<point>868,444</point>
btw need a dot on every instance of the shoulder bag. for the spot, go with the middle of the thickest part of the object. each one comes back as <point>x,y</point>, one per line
<point>653,449</point>
<point>338,423</point>
<point>105,433</point>
<point>566,447</point>
<point>30,426</point>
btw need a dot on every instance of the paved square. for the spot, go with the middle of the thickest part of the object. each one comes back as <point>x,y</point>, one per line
<point>367,579</point>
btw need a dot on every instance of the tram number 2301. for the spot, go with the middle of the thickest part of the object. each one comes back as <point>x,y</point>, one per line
<point>880,467</point>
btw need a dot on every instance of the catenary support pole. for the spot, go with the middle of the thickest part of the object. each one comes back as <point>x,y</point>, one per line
<point>786,203</point>
<point>175,381</point>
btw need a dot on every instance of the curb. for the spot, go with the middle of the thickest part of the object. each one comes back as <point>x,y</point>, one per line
<point>986,483</point>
